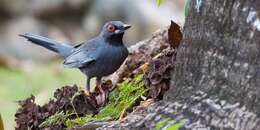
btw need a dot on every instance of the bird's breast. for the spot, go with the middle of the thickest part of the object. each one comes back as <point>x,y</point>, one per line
<point>113,57</point>
<point>109,60</point>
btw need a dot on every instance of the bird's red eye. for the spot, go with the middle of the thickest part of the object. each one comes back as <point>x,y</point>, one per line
<point>111,28</point>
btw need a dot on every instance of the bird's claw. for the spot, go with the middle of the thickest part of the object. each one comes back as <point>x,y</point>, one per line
<point>101,100</point>
<point>102,97</point>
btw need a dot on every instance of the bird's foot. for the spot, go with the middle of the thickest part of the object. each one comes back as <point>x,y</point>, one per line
<point>102,97</point>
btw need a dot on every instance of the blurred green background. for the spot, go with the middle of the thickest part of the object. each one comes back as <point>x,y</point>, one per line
<point>27,69</point>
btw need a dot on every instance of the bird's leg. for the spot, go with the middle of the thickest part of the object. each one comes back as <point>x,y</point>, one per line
<point>102,92</point>
<point>87,91</point>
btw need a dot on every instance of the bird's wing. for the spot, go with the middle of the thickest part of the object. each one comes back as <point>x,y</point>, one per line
<point>83,55</point>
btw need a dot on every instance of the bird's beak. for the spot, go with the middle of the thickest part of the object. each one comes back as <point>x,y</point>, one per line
<point>126,26</point>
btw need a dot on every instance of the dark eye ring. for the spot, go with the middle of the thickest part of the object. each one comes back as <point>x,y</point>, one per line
<point>111,28</point>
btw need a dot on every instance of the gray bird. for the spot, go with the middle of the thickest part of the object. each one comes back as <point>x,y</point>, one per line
<point>98,57</point>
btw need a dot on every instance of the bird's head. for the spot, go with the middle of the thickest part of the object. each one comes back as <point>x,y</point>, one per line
<point>114,30</point>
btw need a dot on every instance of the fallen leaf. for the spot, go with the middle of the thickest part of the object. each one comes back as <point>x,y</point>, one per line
<point>174,35</point>
<point>144,67</point>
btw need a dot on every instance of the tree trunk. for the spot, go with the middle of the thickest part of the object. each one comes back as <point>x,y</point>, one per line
<point>218,63</point>
<point>221,53</point>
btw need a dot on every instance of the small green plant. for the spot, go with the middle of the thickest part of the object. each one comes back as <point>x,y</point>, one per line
<point>129,92</point>
<point>120,100</point>
<point>57,118</point>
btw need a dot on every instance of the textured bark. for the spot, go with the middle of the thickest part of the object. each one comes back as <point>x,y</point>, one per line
<point>221,53</point>
<point>220,59</point>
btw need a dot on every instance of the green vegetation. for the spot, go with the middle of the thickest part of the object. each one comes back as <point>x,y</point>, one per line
<point>120,100</point>
<point>175,126</point>
<point>40,81</point>
<point>57,118</point>
<point>70,123</point>
<point>162,124</point>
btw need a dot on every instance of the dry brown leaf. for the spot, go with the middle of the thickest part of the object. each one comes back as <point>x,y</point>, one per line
<point>174,35</point>
<point>144,67</point>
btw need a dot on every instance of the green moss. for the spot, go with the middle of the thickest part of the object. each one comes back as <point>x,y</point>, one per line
<point>120,100</point>
<point>161,123</point>
<point>175,126</point>
<point>70,123</point>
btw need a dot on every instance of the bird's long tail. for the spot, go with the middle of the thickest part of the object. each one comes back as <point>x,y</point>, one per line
<point>63,49</point>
